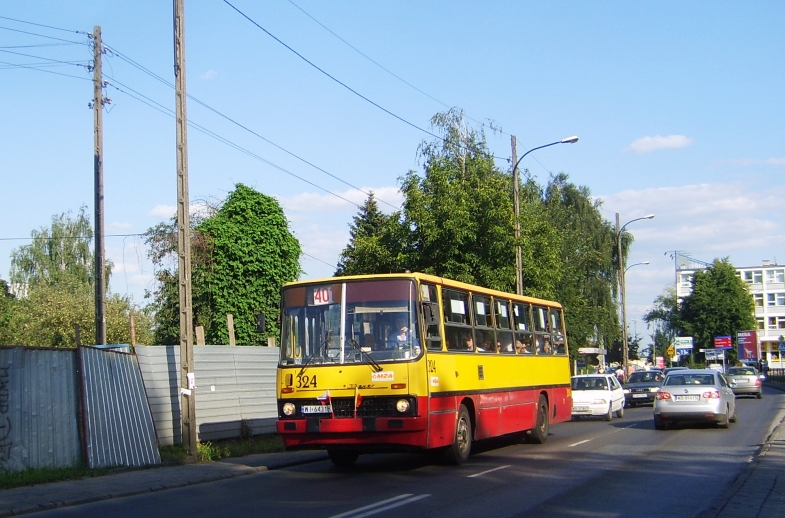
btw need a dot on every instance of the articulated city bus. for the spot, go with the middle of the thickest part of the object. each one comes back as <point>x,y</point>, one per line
<point>414,362</point>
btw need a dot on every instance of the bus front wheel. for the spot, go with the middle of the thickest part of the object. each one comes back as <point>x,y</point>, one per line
<point>458,452</point>
<point>539,433</point>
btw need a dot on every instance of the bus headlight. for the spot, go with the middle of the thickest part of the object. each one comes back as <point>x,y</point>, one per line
<point>288,409</point>
<point>402,405</point>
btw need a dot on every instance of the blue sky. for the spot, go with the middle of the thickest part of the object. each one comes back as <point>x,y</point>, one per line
<point>678,106</point>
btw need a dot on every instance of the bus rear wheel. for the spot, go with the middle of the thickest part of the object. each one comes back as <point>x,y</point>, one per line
<point>343,458</point>
<point>539,433</point>
<point>458,452</point>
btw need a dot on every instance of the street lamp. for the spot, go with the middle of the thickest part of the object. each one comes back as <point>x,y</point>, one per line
<point>622,287</point>
<point>517,205</point>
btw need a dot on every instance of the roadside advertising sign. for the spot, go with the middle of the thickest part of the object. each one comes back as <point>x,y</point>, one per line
<point>683,342</point>
<point>660,362</point>
<point>748,345</point>
<point>723,342</point>
<point>714,354</point>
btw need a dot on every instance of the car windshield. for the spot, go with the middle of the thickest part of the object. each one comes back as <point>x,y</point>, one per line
<point>645,377</point>
<point>350,322</point>
<point>744,371</point>
<point>689,379</point>
<point>590,383</point>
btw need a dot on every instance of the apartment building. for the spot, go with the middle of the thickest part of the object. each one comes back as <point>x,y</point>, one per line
<point>767,286</point>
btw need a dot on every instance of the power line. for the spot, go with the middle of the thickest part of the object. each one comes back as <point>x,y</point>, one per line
<point>249,130</point>
<point>14,65</point>
<point>41,25</point>
<point>355,92</point>
<point>44,36</point>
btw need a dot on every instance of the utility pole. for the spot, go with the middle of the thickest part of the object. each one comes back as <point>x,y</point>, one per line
<point>622,294</point>
<point>517,206</point>
<point>187,381</point>
<point>98,169</point>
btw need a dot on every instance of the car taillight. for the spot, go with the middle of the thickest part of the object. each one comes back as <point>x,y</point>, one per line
<point>757,382</point>
<point>663,395</point>
<point>711,394</point>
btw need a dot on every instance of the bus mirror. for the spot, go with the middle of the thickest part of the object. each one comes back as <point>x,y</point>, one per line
<point>259,322</point>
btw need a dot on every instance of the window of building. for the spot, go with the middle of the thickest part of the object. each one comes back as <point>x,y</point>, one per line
<point>758,298</point>
<point>775,299</point>
<point>772,322</point>
<point>752,276</point>
<point>775,275</point>
<point>685,280</point>
<point>761,324</point>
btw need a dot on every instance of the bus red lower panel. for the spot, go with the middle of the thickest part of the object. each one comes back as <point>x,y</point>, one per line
<point>380,431</point>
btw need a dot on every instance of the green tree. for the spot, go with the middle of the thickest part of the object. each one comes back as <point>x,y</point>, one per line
<point>6,307</point>
<point>664,319</point>
<point>720,304</point>
<point>55,276</point>
<point>242,255</point>
<point>589,275</point>
<point>370,249</point>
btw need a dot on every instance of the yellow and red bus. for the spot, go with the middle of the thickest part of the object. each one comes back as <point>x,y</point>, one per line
<point>415,362</point>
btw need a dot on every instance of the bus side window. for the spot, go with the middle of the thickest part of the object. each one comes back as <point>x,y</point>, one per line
<point>557,331</point>
<point>432,317</point>
<point>504,336</point>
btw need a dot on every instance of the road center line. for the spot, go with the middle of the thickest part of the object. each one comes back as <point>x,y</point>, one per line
<point>580,442</point>
<point>384,505</point>
<point>488,471</point>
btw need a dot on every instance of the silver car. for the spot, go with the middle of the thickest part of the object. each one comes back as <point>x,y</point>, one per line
<point>747,381</point>
<point>695,395</point>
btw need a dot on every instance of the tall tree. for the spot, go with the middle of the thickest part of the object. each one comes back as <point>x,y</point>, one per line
<point>589,276</point>
<point>61,252</point>
<point>242,254</point>
<point>664,319</point>
<point>720,304</point>
<point>369,249</point>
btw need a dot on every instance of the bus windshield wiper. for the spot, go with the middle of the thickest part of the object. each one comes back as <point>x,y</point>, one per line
<point>374,365</point>
<point>319,352</point>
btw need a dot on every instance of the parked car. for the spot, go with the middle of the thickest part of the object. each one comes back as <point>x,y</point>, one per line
<point>747,380</point>
<point>694,395</point>
<point>641,387</point>
<point>597,395</point>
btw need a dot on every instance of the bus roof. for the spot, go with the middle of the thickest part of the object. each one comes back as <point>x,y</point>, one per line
<point>428,278</point>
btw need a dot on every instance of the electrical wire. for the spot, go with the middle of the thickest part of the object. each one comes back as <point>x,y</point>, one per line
<point>247,129</point>
<point>355,92</point>
<point>41,25</point>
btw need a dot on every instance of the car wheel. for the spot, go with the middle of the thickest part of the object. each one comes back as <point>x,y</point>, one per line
<point>725,420</point>
<point>539,433</point>
<point>759,395</point>
<point>620,412</point>
<point>733,418</point>
<point>659,424</point>
<point>609,415</point>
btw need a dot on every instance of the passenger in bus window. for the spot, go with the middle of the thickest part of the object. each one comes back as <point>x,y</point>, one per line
<point>468,343</point>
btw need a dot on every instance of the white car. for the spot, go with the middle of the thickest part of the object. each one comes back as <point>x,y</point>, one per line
<point>597,395</point>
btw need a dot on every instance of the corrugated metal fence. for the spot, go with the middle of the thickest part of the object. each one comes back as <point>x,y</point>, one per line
<point>60,407</point>
<point>233,384</point>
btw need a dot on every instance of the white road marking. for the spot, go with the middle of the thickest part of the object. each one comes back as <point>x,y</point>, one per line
<point>384,505</point>
<point>577,443</point>
<point>488,471</point>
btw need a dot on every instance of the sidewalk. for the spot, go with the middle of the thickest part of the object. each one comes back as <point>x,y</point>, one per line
<point>759,492</point>
<point>30,499</point>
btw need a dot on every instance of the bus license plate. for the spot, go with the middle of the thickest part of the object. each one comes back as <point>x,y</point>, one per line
<point>316,409</point>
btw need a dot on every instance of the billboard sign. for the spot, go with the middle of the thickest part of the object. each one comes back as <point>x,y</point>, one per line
<point>723,342</point>
<point>748,345</point>
<point>683,342</point>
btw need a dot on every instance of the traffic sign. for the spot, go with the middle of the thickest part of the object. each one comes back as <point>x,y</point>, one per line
<point>671,351</point>
<point>683,342</point>
<point>723,342</point>
<point>781,346</point>
<point>683,351</point>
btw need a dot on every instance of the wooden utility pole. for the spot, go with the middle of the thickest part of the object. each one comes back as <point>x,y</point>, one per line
<point>98,168</point>
<point>187,379</point>
<point>517,206</point>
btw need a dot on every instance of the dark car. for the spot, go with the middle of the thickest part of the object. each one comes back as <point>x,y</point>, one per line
<point>642,387</point>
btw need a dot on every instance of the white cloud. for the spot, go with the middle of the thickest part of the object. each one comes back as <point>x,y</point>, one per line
<point>210,74</point>
<point>649,144</point>
<point>163,211</point>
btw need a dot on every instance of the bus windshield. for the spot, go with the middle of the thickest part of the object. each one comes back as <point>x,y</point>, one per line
<point>350,322</point>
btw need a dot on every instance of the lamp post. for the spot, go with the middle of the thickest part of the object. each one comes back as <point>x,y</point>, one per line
<point>517,205</point>
<point>622,287</point>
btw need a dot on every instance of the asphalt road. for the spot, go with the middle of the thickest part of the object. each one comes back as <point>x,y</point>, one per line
<point>587,468</point>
